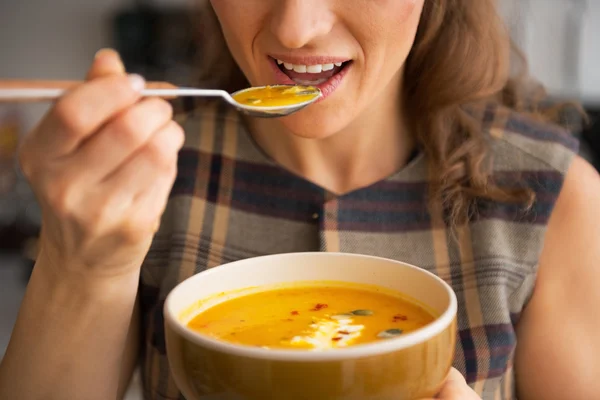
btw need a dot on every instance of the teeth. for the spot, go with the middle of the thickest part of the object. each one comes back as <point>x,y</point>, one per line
<point>300,68</point>
<point>311,69</point>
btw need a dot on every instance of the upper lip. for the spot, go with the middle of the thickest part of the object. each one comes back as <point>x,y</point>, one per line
<point>309,60</point>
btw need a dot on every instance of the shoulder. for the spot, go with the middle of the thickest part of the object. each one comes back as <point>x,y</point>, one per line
<point>575,223</point>
<point>565,298</point>
<point>572,246</point>
<point>520,141</point>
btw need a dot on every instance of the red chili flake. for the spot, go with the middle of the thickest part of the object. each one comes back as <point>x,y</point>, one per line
<point>343,332</point>
<point>295,313</point>
<point>336,339</point>
<point>319,306</point>
<point>400,317</point>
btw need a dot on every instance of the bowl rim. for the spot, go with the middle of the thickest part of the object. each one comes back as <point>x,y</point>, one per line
<point>352,352</point>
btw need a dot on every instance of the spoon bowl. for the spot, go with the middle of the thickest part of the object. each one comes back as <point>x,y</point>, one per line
<point>311,94</point>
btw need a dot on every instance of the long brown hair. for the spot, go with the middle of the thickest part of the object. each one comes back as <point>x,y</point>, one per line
<point>461,57</point>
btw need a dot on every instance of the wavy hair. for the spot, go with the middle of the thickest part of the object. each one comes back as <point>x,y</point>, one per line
<point>461,57</point>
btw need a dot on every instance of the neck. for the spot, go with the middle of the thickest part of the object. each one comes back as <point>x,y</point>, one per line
<point>371,148</point>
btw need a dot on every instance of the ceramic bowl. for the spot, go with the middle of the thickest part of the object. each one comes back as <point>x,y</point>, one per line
<point>409,367</point>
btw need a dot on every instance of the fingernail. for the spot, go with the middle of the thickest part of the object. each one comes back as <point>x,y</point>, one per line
<point>138,83</point>
<point>106,51</point>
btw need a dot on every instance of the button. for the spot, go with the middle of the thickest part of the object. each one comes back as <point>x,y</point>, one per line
<point>315,216</point>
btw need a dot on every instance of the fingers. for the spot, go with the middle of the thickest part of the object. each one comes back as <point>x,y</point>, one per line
<point>128,205</point>
<point>102,164</point>
<point>157,158</point>
<point>81,112</point>
<point>105,151</point>
<point>150,205</point>
<point>77,114</point>
<point>150,174</point>
<point>456,377</point>
<point>455,388</point>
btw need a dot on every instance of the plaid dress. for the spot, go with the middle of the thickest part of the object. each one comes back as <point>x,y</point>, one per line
<point>230,202</point>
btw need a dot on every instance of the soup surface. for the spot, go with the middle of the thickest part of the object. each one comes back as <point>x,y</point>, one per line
<point>321,317</point>
<point>276,96</point>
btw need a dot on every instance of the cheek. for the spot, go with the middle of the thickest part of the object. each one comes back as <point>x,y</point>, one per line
<point>395,21</point>
<point>406,9</point>
<point>389,35</point>
<point>239,21</point>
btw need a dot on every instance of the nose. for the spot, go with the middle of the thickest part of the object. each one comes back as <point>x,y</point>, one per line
<point>295,23</point>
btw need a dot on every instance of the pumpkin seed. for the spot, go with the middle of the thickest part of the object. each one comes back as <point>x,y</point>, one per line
<point>390,333</point>
<point>362,313</point>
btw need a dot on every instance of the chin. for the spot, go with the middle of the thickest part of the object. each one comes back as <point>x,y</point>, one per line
<point>317,122</point>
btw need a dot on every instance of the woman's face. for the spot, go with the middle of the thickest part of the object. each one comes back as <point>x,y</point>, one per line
<point>354,50</point>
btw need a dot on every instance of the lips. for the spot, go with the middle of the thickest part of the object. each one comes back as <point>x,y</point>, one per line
<point>296,72</point>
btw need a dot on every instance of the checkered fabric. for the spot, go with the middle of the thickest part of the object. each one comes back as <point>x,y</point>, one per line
<point>230,202</point>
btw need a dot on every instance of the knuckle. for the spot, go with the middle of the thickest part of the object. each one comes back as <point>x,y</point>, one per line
<point>163,107</point>
<point>178,133</point>
<point>158,155</point>
<point>135,230</point>
<point>60,197</point>
<point>132,235</point>
<point>162,149</point>
<point>160,110</point>
<point>127,131</point>
<point>66,112</point>
<point>120,87</point>
<point>172,138</point>
<point>133,127</point>
<point>97,218</point>
<point>170,172</point>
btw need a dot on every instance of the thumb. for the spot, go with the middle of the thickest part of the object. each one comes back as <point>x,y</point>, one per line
<point>455,388</point>
<point>106,62</point>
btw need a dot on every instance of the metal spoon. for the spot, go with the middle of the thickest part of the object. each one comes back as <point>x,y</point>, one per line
<point>38,91</point>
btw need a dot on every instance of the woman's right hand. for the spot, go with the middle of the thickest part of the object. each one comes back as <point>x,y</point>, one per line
<point>102,163</point>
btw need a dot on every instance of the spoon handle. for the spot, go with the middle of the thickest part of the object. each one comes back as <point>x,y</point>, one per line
<point>28,91</point>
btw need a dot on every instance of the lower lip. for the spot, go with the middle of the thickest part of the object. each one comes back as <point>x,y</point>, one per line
<point>327,88</point>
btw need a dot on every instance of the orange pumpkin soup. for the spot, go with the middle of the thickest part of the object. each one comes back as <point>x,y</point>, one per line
<point>311,317</point>
<point>276,96</point>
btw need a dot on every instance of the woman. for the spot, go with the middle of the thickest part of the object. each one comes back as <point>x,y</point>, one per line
<point>423,150</point>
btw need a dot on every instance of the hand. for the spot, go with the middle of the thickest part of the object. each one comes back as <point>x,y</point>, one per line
<point>102,163</point>
<point>456,388</point>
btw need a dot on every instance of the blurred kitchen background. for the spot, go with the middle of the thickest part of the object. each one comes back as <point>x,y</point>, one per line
<point>41,39</point>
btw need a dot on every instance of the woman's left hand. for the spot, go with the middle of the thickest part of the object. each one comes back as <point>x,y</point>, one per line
<point>456,388</point>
